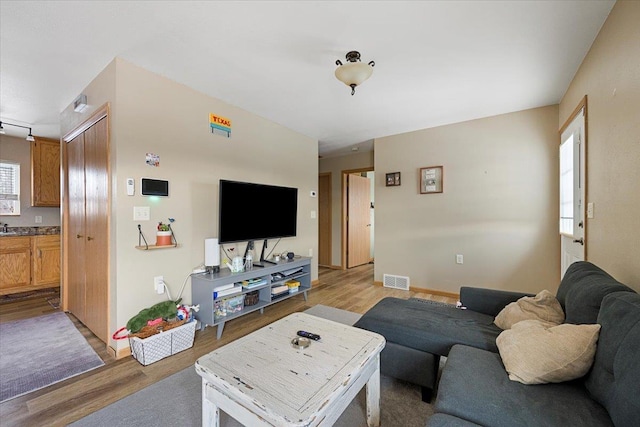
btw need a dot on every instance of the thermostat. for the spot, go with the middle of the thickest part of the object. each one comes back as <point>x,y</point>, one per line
<point>130,187</point>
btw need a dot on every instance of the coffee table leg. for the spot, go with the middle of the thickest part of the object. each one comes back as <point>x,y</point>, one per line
<point>373,397</point>
<point>210,411</point>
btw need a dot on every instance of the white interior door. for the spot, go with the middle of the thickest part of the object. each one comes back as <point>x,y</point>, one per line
<point>572,192</point>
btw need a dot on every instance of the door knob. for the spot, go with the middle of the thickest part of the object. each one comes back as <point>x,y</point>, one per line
<point>79,236</point>
<point>580,240</point>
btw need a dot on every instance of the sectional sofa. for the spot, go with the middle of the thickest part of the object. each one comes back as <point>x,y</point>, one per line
<point>475,388</point>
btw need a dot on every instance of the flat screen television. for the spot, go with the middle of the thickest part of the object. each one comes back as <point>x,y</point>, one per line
<point>251,212</point>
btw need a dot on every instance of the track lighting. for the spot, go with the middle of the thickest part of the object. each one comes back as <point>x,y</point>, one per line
<point>29,137</point>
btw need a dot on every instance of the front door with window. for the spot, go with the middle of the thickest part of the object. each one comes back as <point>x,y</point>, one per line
<point>572,190</point>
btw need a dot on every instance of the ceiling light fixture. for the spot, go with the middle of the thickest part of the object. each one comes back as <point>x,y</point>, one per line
<point>2,131</point>
<point>354,72</point>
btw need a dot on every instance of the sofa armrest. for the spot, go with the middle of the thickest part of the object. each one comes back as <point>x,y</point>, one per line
<point>488,301</point>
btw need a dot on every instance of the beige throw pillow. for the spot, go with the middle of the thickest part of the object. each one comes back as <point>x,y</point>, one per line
<point>543,306</point>
<point>534,353</point>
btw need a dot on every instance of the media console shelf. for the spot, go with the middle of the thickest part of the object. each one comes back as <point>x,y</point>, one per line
<point>202,286</point>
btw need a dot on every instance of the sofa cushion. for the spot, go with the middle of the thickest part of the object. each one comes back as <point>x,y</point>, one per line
<point>582,289</point>
<point>534,353</point>
<point>543,306</point>
<point>614,380</point>
<point>488,301</point>
<point>428,326</point>
<point>475,386</point>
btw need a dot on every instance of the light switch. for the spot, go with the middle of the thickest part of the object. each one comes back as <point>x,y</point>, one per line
<point>313,214</point>
<point>141,213</point>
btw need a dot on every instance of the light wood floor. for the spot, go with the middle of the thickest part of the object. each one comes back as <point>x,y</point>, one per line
<point>70,400</point>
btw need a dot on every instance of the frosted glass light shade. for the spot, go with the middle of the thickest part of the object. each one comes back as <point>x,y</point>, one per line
<point>353,73</point>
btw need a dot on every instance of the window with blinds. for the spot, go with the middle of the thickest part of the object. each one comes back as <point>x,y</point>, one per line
<point>9,188</point>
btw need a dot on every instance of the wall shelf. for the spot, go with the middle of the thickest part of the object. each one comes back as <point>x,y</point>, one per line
<point>153,247</point>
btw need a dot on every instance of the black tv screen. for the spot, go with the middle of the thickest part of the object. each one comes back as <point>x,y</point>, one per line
<point>256,211</point>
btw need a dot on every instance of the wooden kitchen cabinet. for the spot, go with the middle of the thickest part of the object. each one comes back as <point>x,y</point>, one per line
<point>45,172</point>
<point>15,264</point>
<point>46,260</point>
<point>28,263</point>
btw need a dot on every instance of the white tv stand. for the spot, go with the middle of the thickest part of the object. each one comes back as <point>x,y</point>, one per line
<point>202,286</point>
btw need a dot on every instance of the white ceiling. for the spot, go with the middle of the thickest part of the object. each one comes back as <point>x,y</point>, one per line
<point>437,62</point>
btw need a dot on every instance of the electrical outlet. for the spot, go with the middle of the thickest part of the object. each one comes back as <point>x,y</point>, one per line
<point>311,252</point>
<point>38,219</point>
<point>459,259</point>
<point>158,284</point>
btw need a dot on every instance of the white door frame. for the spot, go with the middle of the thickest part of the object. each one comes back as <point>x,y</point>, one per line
<point>573,242</point>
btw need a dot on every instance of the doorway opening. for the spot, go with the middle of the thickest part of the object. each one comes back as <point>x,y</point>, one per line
<point>573,188</point>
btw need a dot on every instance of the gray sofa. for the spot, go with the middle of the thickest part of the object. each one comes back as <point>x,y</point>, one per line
<point>475,388</point>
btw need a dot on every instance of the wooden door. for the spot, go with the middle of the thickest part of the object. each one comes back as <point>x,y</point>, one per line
<point>75,253</point>
<point>358,225</point>
<point>97,229</point>
<point>324,219</point>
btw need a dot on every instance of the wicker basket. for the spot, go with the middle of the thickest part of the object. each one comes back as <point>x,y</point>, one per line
<point>147,331</point>
<point>251,298</point>
<point>171,340</point>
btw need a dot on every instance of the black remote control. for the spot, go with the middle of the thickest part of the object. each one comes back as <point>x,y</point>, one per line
<point>309,335</point>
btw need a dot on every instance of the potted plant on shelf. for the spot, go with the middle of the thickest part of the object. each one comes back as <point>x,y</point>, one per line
<point>163,235</point>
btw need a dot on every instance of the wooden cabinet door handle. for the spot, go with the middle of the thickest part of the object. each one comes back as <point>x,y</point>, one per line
<point>89,238</point>
<point>39,253</point>
<point>79,236</point>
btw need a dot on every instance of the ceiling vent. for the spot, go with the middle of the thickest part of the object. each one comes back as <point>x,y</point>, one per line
<point>395,282</point>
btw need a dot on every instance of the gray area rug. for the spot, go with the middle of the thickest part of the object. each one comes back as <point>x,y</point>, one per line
<point>341,316</point>
<point>40,351</point>
<point>176,400</point>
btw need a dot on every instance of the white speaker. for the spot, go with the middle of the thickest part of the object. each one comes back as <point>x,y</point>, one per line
<point>212,255</point>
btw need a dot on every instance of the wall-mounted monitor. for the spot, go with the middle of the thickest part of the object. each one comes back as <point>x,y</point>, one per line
<point>154,187</point>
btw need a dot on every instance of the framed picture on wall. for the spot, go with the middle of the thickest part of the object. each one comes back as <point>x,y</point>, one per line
<point>393,179</point>
<point>431,180</point>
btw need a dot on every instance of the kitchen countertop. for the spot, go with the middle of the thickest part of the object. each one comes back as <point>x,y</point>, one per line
<point>30,231</point>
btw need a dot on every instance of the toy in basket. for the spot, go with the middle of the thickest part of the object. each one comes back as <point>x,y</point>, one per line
<point>153,338</point>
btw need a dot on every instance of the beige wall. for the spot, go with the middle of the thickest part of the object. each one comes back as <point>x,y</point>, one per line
<point>152,114</point>
<point>610,77</point>
<point>18,150</point>
<point>336,165</point>
<point>498,209</point>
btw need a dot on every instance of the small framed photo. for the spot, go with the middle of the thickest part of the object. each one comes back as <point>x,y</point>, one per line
<point>431,180</point>
<point>393,179</point>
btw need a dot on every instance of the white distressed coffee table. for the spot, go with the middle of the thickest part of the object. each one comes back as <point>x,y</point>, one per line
<point>261,380</point>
